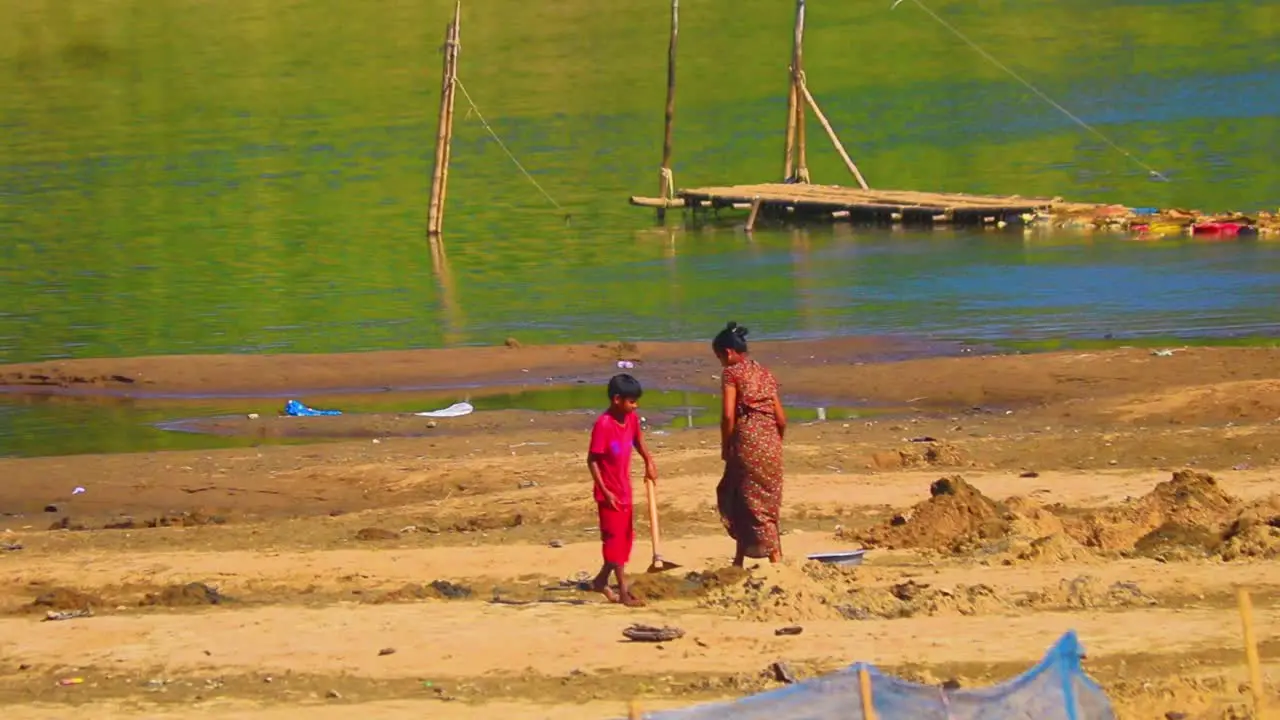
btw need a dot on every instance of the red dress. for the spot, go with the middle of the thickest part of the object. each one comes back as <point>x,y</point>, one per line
<point>611,444</point>
<point>750,493</point>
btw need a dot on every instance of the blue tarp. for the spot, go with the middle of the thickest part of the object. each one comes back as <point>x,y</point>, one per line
<point>1055,689</point>
<point>297,409</point>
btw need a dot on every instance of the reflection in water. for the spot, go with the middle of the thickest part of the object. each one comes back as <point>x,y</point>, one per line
<point>804,280</point>
<point>205,201</point>
<point>454,320</point>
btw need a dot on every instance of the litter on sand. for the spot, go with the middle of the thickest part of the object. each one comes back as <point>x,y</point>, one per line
<point>649,633</point>
<point>293,408</point>
<point>454,410</point>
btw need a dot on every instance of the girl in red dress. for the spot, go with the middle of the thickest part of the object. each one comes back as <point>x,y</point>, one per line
<point>752,423</point>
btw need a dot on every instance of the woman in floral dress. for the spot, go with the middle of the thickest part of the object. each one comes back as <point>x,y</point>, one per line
<point>752,424</point>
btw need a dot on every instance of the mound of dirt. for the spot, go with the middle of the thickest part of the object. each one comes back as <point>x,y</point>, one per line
<point>189,595</point>
<point>1088,593</point>
<point>955,518</point>
<point>66,599</point>
<point>919,455</point>
<point>1254,533</point>
<point>1174,541</point>
<point>375,533</point>
<point>436,590</point>
<point>652,587</point>
<point>184,519</point>
<point>1028,518</point>
<point>784,592</point>
<point>1188,499</point>
<point>815,591</point>
<point>912,599</point>
<point>485,522</point>
<point>1049,550</point>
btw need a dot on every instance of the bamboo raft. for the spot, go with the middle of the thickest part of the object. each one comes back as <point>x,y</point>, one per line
<point>840,202</point>
<point>797,198</point>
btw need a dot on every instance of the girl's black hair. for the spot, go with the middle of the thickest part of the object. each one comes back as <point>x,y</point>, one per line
<point>732,337</point>
<point>624,386</point>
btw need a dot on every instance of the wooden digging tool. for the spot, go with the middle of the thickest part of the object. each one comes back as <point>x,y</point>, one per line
<point>658,564</point>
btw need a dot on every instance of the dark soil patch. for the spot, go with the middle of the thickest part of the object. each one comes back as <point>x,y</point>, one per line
<point>66,599</point>
<point>190,595</point>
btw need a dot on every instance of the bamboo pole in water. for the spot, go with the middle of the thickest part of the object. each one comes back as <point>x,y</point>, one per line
<point>667,180</point>
<point>444,133</point>
<point>835,139</point>
<point>453,86</point>
<point>755,213</point>
<point>789,154</point>
<point>797,84</point>
<point>1251,651</point>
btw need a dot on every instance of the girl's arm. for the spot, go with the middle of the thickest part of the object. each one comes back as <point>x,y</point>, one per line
<point>597,480</point>
<point>650,469</point>
<point>728,418</point>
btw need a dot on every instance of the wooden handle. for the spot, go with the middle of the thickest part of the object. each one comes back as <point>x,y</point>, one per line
<point>654,533</point>
<point>1251,650</point>
<point>864,689</point>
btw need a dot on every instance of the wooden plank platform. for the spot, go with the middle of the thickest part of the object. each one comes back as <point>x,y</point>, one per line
<point>839,201</point>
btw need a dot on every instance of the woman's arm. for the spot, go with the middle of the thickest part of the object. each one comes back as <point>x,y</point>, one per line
<point>780,415</point>
<point>728,418</point>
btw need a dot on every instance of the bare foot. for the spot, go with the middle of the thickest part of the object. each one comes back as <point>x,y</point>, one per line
<point>604,589</point>
<point>632,601</point>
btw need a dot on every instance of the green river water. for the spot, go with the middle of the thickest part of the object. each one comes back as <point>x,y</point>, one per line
<point>179,176</point>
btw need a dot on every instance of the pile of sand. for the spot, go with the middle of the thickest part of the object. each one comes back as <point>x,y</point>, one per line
<point>63,599</point>
<point>1188,499</point>
<point>1186,517</point>
<point>1050,549</point>
<point>436,590</point>
<point>1087,593</point>
<point>787,593</point>
<point>189,595</point>
<point>1254,532</point>
<point>920,455</point>
<point>784,592</point>
<point>956,518</point>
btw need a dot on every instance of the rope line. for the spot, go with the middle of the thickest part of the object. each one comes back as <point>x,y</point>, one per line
<point>1153,172</point>
<point>503,145</point>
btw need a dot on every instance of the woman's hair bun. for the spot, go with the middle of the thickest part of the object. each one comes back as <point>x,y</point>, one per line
<point>732,337</point>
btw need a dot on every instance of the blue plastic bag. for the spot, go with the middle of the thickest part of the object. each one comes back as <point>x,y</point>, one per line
<point>296,409</point>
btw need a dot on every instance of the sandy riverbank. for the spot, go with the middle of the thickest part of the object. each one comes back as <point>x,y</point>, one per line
<point>326,553</point>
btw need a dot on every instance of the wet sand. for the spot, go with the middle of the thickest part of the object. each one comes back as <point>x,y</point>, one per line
<point>326,554</point>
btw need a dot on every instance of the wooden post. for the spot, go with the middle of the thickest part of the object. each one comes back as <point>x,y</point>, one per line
<point>444,132</point>
<point>797,84</point>
<point>835,140</point>
<point>864,689</point>
<point>1251,651</point>
<point>751,219</point>
<point>665,183</point>
<point>789,156</point>
<point>453,87</point>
